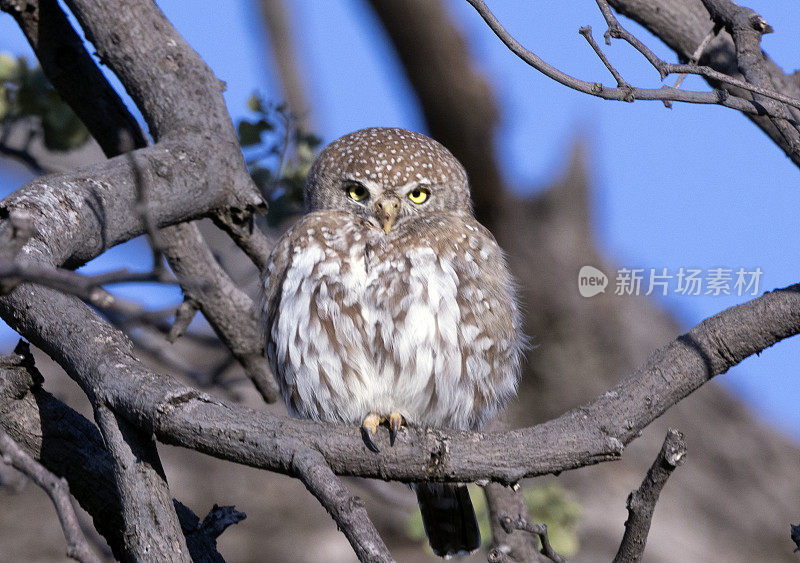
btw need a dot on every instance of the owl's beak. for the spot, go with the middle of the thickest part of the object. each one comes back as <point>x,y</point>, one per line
<point>386,212</point>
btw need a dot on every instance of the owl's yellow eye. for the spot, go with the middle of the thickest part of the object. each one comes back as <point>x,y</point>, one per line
<point>419,195</point>
<point>357,192</point>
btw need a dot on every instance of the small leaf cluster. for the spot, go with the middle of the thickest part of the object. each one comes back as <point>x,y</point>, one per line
<point>26,93</point>
<point>278,154</point>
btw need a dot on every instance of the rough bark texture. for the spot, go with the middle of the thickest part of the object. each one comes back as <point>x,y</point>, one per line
<point>642,502</point>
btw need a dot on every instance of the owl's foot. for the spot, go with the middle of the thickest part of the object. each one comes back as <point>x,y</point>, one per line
<point>370,425</point>
<point>368,428</point>
<point>395,422</point>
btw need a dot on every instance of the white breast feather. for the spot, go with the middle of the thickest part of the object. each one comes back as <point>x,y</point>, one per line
<point>393,355</point>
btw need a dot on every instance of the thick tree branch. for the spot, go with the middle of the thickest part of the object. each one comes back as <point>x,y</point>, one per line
<point>71,447</point>
<point>151,524</point>
<point>228,310</point>
<point>642,502</point>
<point>201,537</point>
<point>80,214</point>
<point>62,440</point>
<point>61,54</point>
<point>598,432</point>
<point>58,491</point>
<point>182,416</point>
<point>101,359</point>
<point>151,528</point>
<point>583,436</point>
<point>746,28</point>
<point>278,21</point>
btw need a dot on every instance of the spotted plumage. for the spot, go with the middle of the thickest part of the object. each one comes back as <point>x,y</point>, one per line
<point>389,298</point>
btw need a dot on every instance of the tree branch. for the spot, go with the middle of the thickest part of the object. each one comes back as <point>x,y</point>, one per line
<point>642,502</point>
<point>278,21</point>
<point>228,310</point>
<point>626,92</point>
<point>583,436</point>
<point>182,416</point>
<point>201,537</point>
<point>58,491</point>
<point>60,52</point>
<point>71,447</point>
<point>520,523</point>
<point>347,510</point>
<point>508,544</point>
<point>151,524</point>
<point>87,288</point>
<point>746,28</point>
<point>683,25</point>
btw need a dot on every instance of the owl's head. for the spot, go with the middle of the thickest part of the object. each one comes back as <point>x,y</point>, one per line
<point>387,175</point>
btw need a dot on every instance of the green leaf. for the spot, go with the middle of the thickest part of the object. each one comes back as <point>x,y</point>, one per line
<point>8,67</point>
<point>261,176</point>
<point>255,103</point>
<point>4,105</point>
<point>250,132</point>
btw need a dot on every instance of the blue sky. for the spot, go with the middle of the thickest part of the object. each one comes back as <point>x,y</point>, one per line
<point>692,187</point>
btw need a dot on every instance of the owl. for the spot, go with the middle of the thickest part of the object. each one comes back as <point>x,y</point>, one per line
<point>388,303</point>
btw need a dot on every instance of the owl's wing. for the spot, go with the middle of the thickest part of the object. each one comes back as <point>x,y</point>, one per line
<point>270,293</point>
<point>489,334</point>
<point>314,332</point>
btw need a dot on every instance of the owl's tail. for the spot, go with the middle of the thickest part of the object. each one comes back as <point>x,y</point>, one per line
<point>448,517</point>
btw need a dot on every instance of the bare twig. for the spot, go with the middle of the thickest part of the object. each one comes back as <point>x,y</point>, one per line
<point>143,209</point>
<point>616,30</point>
<point>88,288</point>
<point>698,52</point>
<point>58,491</point>
<point>183,318</point>
<point>348,511</point>
<point>665,93</point>
<point>540,529</point>
<point>586,31</point>
<point>24,156</point>
<point>642,502</point>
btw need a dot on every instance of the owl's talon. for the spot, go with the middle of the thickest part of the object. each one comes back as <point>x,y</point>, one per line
<point>368,428</point>
<point>395,422</point>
